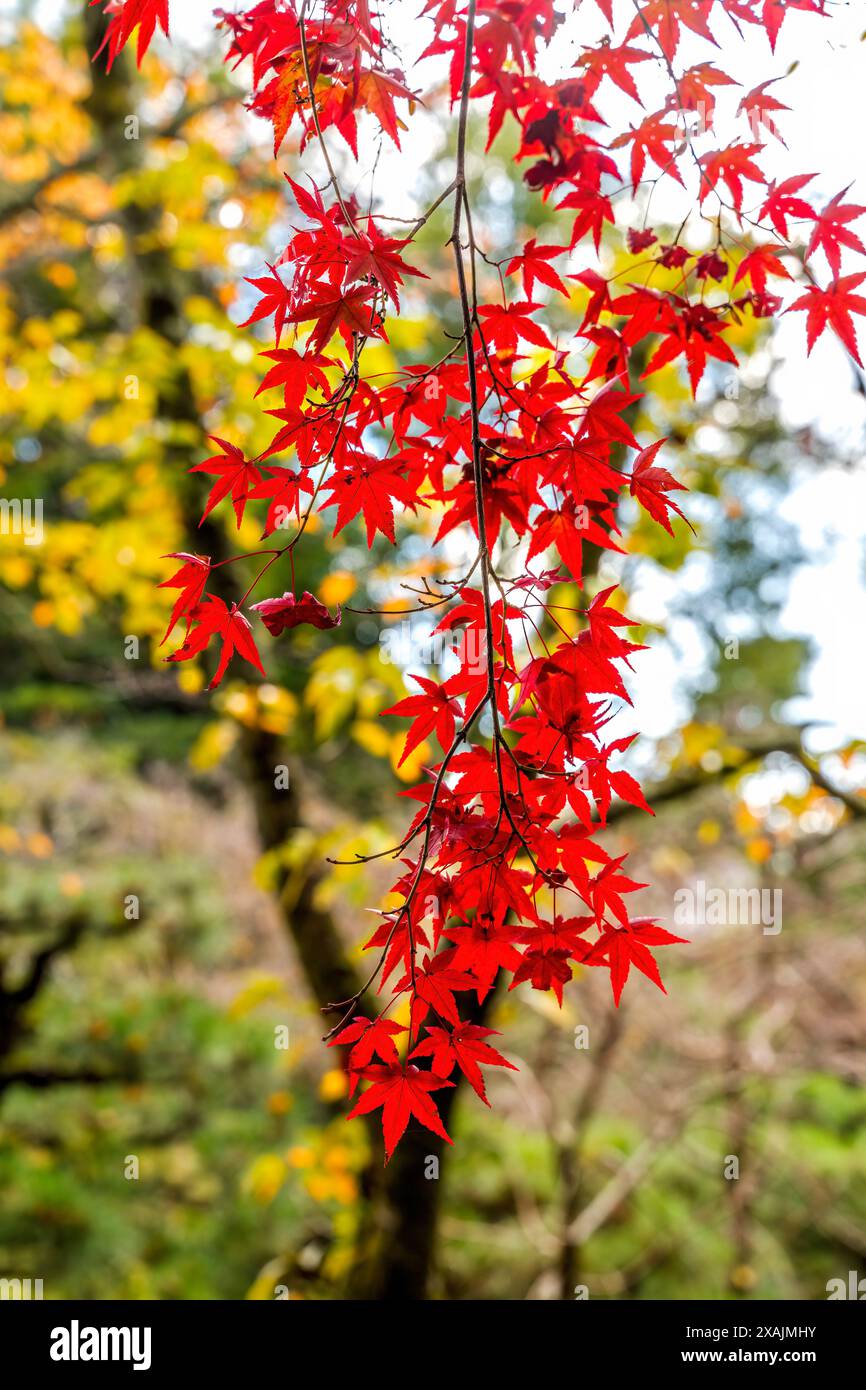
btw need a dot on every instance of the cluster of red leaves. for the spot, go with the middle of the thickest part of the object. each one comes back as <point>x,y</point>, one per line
<point>501,870</point>
<point>125,16</point>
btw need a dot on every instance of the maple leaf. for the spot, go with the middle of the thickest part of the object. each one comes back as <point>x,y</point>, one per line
<point>347,312</point>
<point>471,611</point>
<point>436,982</point>
<point>402,1093</point>
<point>612,62</point>
<point>505,88</point>
<point>673,256</point>
<point>696,334</point>
<point>626,946</point>
<point>602,619</point>
<point>760,262</point>
<point>545,970</point>
<point>551,947</point>
<point>377,91</point>
<point>655,139</point>
<point>830,232</point>
<point>433,711</point>
<point>603,782</point>
<point>212,618</point>
<point>369,253</point>
<point>730,167</point>
<point>782,202</point>
<point>141,14</point>
<point>568,528</point>
<point>235,476</point>
<point>282,489</point>
<point>694,90</point>
<point>368,1038</point>
<point>310,202</point>
<point>775,12</point>
<point>662,19</point>
<point>610,360</point>
<point>832,308</point>
<point>638,239</point>
<point>711,266</point>
<point>533,264</point>
<point>650,486</point>
<point>278,614</point>
<point>463,1047</point>
<point>280,102</point>
<point>757,106</point>
<point>504,324</point>
<point>296,372</point>
<point>370,486</point>
<point>603,415</point>
<point>275,302</point>
<point>593,210</point>
<point>191,579</point>
<point>484,948</point>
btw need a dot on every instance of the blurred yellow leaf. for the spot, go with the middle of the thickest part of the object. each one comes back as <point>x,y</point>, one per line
<point>265,1178</point>
<point>333,1085</point>
<point>337,587</point>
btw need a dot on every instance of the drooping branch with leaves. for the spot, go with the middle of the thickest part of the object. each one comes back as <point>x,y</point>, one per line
<point>518,439</point>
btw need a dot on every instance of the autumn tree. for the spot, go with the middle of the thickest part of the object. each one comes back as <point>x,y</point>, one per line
<point>519,439</point>
<point>501,868</point>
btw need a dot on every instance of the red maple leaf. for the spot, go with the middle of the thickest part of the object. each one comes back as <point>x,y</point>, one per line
<point>368,253</point>
<point>782,202</point>
<point>760,262</point>
<point>462,1047</point>
<point>212,618</point>
<point>369,1038</point>
<point>757,106</point>
<point>608,60</point>
<point>275,302</point>
<point>402,1093</point>
<point>235,476</point>
<point>695,333</point>
<point>730,167</point>
<point>655,138</point>
<point>282,488</point>
<point>623,947</point>
<point>650,485</point>
<point>377,92</point>
<point>296,372</point>
<point>832,308</point>
<point>534,264</point>
<point>593,210</point>
<point>433,711</point>
<point>551,946</point>
<point>830,232</point>
<point>278,614</point>
<point>568,527</point>
<point>191,579</point>
<point>345,311</point>
<point>370,486</point>
<point>436,983</point>
<point>125,17</point>
<point>662,19</point>
<point>504,324</point>
<point>484,948</point>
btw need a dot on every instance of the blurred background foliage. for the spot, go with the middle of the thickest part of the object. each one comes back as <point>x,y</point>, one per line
<point>169,923</point>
